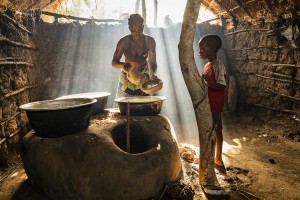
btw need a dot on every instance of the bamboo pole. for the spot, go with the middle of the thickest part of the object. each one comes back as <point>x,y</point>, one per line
<point>16,63</point>
<point>16,92</point>
<point>245,30</point>
<point>4,39</point>
<point>21,27</point>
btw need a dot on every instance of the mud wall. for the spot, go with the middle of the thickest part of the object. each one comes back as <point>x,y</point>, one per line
<point>266,67</point>
<point>18,83</point>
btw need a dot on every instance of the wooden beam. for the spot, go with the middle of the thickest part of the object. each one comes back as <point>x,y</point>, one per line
<point>78,18</point>
<point>224,7</point>
<point>243,8</point>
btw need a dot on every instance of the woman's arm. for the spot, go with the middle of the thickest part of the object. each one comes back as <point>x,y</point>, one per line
<point>118,55</point>
<point>152,55</point>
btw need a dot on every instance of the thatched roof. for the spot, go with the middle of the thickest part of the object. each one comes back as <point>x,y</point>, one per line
<point>249,10</point>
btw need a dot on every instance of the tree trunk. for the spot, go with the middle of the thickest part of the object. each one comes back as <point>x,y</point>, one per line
<point>198,92</point>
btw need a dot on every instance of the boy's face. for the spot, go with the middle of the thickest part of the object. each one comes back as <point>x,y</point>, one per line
<point>204,50</point>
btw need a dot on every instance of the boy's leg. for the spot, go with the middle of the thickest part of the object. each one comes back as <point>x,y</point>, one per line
<point>219,138</point>
<point>219,145</point>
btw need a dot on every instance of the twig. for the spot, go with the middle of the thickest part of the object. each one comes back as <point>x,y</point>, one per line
<point>8,119</point>
<point>163,192</point>
<point>4,39</point>
<point>286,65</point>
<point>286,76</point>
<point>16,24</point>
<point>277,79</point>
<point>16,63</point>
<point>9,58</point>
<point>8,174</point>
<point>284,95</point>
<point>16,92</point>
<point>275,109</point>
<point>258,47</point>
<point>246,30</point>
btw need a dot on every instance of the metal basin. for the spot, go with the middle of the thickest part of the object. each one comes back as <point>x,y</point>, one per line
<point>101,98</point>
<point>56,118</point>
<point>140,106</point>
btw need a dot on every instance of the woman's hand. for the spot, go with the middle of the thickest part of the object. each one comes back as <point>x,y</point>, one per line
<point>126,67</point>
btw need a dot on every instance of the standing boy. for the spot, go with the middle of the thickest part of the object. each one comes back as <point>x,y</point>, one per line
<point>214,73</point>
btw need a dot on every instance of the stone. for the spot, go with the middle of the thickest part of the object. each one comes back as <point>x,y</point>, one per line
<point>95,163</point>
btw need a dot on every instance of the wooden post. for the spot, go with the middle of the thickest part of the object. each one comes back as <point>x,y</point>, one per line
<point>128,128</point>
<point>155,12</point>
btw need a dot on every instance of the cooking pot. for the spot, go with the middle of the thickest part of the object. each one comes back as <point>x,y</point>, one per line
<point>56,118</point>
<point>140,106</point>
<point>101,98</point>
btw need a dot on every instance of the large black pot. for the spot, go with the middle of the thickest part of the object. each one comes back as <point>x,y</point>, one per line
<point>140,106</point>
<point>101,98</point>
<point>56,118</point>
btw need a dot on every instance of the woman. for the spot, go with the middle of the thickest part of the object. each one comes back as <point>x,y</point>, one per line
<point>140,58</point>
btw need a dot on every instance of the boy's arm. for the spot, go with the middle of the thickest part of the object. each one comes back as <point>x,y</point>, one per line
<point>216,86</point>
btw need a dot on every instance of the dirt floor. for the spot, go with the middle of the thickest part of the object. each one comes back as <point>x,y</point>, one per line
<point>261,154</point>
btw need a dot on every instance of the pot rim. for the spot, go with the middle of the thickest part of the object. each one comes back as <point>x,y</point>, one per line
<point>93,95</point>
<point>42,105</point>
<point>140,100</point>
